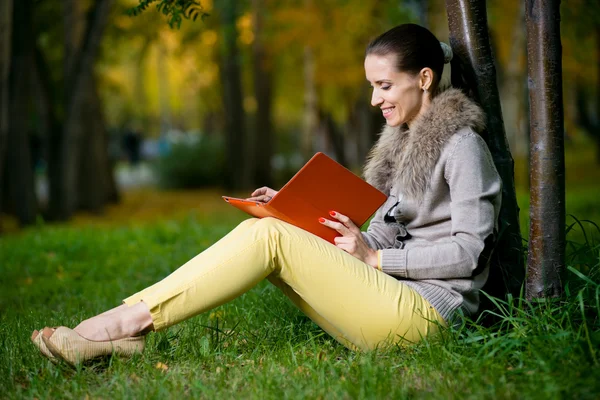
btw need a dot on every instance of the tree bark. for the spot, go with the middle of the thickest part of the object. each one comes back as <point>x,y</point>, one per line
<point>236,175</point>
<point>263,90</point>
<point>469,39</point>
<point>63,192</point>
<point>19,172</point>
<point>6,14</point>
<point>547,167</point>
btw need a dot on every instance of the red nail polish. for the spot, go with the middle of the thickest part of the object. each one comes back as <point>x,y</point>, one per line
<point>321,220</point>
<point>332,213</point>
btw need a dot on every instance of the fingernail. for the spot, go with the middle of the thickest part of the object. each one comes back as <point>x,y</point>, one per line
<point>322,220</point>
<point>332,213</point>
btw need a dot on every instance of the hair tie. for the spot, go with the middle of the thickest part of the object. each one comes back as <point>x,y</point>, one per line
<point>447,52</point>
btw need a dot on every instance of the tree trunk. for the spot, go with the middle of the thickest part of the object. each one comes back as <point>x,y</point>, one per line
<point>51,128</point>
<point>235,159</point>
<point>469,39</point>
<point>263,89</point>
<point>19,172</point>
<point>93,182</point>
<point>6,14</point>
<point>547,169</point>
<point>63,200</point>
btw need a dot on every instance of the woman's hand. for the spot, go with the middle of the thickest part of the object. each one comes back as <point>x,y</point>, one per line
<point>263,194</point>
<point>351,240</point>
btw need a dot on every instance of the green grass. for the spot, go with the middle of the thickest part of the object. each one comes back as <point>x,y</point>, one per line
<point>260,346</point>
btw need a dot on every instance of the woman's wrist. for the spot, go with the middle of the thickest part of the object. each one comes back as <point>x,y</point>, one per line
<point>373,259</point>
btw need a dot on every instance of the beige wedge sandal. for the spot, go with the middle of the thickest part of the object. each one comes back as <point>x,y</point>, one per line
<point>69,346</point>
<point>36,338</point>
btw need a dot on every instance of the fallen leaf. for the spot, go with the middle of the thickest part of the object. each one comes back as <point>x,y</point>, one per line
<point>161,366</point>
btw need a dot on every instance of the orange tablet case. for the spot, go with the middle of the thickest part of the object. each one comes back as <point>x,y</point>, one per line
<point>320,186</point>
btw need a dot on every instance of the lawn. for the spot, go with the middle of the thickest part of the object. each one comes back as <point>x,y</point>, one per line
<point>260,346</point>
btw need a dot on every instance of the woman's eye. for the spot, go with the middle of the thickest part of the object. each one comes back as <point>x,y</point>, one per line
<point>386,87</point>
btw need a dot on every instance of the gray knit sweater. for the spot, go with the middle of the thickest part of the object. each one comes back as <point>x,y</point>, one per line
<point>436,229</point>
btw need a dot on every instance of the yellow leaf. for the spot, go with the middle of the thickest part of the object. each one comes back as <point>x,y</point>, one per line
<point>161,366</point>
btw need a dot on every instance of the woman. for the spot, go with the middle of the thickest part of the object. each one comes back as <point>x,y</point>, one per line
<point>422,259</point>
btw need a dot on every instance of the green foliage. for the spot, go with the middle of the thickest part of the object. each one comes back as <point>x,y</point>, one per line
<point>174,10</point>
<point>260,345</point>
<point>196,165</point>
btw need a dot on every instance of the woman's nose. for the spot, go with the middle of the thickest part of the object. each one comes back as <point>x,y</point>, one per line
<point>376,98</point>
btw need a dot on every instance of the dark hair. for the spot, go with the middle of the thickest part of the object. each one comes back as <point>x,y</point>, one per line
<point>415,48</point>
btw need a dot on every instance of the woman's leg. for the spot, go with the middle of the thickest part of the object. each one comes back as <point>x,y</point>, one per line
<point>133,317</point>
<point>355,302</point>
<point>310,312</point>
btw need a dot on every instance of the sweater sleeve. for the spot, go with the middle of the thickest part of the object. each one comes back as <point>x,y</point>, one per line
<point>474,187</point>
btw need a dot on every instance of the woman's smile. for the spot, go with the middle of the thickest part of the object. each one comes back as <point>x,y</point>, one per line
<point>387,112</point>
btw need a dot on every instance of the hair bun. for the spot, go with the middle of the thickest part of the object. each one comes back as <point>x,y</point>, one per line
<point>447,52</point>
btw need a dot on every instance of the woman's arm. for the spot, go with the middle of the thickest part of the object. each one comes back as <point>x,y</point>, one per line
<point>474,187</point>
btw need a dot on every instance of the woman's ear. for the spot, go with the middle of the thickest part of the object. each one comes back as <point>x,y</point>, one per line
<point>426,78</point>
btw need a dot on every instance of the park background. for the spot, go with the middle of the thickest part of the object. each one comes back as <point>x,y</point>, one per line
<point>151,155</point>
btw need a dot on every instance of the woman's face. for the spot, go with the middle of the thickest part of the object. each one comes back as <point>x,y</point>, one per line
<point>399,95</point>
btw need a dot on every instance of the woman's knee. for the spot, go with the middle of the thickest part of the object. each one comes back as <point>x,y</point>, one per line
<point>268,223</point>
<point>248,222</point>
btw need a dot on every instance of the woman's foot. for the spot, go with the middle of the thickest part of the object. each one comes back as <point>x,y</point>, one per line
<point>119,323</point>
<point>69,346</point>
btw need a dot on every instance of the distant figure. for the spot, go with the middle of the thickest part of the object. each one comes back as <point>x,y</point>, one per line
<point>420,264</point>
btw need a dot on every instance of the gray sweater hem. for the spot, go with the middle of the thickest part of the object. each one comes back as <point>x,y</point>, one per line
<point>441,299</point>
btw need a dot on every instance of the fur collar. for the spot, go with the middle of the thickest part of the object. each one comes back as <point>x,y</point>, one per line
<point>408,156</point>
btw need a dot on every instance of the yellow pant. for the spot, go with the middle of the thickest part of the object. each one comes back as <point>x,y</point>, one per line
<point>358,305</point>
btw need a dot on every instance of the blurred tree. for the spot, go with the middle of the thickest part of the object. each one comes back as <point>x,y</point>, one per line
<point>580,21</point>
<point>510,55</point>
<point>262,68</point>
<point>238,171</point>
<point>310,117</point>
<point>6,14</point>
<point>473,70</point>
<point>546,259</point>
<point>18,173</point>
<point>80,54</point>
